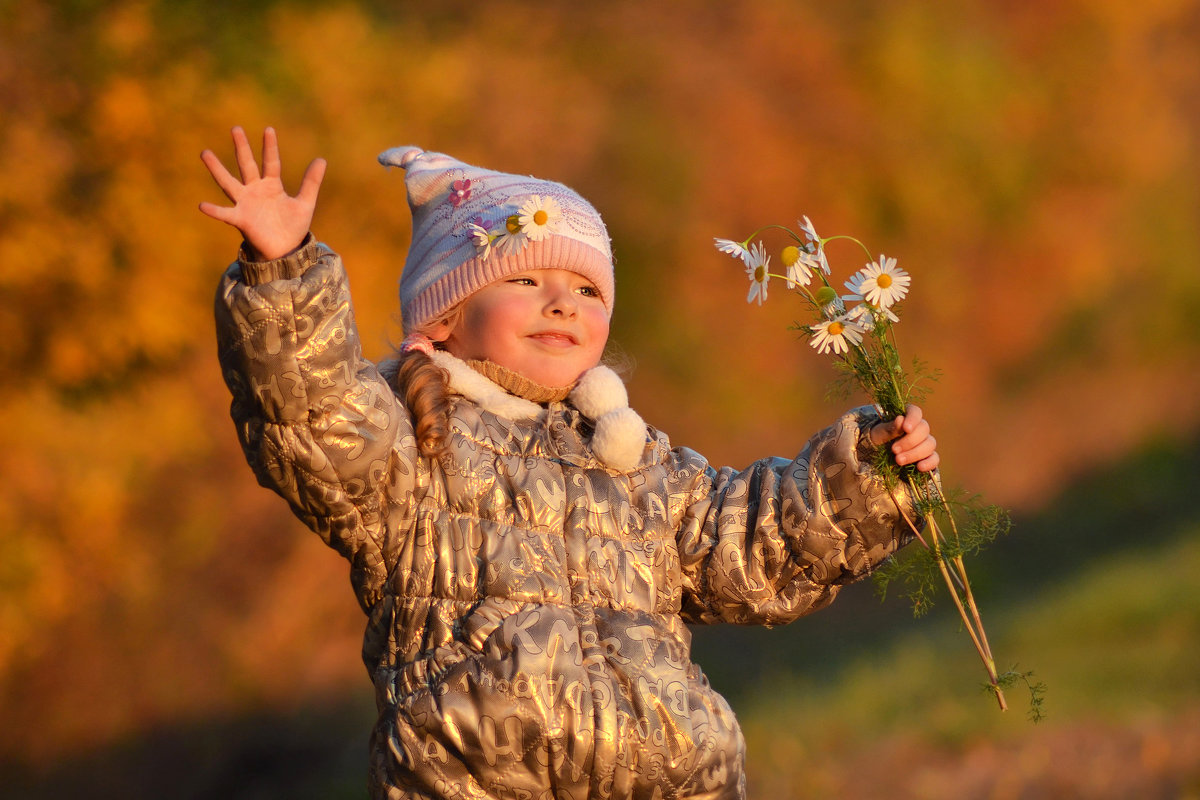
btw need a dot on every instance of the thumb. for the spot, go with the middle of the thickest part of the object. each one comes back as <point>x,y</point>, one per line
<point>884,432</point>
<point>222,213</point>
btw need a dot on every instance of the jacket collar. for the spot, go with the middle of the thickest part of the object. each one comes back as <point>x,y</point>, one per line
<point>483,392</point>
<point>620,435</point>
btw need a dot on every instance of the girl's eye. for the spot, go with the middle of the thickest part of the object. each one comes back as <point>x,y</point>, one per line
<point>523,281</point>
<point>589,291</point>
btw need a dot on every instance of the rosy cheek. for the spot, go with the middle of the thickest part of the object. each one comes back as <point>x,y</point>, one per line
<point>600,328</point>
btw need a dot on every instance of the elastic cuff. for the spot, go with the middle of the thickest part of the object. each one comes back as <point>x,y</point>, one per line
<point>867,418</point>
<point>292,265</point>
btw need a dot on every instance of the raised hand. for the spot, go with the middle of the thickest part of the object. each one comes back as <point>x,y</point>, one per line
<point>273,222</point>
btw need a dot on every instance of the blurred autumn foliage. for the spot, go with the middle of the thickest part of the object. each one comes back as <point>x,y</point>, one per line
<point>1033,164</point>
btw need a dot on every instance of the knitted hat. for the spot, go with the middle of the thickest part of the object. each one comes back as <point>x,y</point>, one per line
<point>472,226</point>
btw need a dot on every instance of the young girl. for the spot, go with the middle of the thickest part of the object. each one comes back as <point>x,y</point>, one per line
<point>527,550</point>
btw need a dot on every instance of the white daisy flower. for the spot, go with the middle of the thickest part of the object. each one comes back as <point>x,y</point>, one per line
<point>481,239</point>
<point>883,283</point>
<point>509,239</point>
<point>799,273</point>
<point>735,249</point>
<point>756,271</point>
<point>539,217</point>
<point>857,296</point>
<point>836,334</point>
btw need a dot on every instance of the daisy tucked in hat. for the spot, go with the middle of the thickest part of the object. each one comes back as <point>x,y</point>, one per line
<point>473,226</point>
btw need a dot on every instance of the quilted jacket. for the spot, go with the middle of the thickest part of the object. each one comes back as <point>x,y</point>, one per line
<point>527,606</point>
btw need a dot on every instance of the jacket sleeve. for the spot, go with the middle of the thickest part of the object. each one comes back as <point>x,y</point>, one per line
<point>317,422</point>
<point>778,540</point>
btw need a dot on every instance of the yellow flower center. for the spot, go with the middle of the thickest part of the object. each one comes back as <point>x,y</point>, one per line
<point>790,255</point>
<point>760,272</point>
<point>835,328</point>
<point>540,217</point>
<point>883,281</point>
<point>513,224</point>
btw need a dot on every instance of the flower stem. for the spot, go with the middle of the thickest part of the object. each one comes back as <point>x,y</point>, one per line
<point>849,239</point>
<point>783,228</point>
<point>960,586</point>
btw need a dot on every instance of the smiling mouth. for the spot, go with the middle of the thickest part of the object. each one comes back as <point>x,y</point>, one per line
<point>554,338</point>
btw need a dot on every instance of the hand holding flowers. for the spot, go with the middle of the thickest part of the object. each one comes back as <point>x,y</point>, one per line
<point>913,444</point>
<point>856,328</point>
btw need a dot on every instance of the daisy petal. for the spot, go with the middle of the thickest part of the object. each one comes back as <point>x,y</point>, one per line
<point>735,249</point>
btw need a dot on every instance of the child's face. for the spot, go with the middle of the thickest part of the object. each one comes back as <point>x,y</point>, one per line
<point>548,325</point>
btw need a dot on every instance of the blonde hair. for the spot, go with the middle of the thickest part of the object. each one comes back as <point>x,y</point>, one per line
<point>424,388</point>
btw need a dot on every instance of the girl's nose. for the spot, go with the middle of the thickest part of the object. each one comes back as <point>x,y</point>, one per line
<point>562,302</point>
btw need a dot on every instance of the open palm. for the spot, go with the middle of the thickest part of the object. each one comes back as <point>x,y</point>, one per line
<point>273,222</point>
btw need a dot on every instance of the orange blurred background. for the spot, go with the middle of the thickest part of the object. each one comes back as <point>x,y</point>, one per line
<point>1034,166</point>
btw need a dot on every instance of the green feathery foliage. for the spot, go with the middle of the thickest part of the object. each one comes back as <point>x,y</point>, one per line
<point>1037,691</point>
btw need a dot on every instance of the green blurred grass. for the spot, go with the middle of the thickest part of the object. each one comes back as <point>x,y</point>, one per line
<point>1118,643</point>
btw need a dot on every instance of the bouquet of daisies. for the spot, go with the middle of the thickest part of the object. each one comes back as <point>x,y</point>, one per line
<point>856,328</point>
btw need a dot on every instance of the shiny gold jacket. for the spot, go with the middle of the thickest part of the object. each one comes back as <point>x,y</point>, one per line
<point>526,604</point>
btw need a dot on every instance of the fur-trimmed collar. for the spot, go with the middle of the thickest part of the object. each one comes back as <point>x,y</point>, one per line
<point>483,392</point>
<point>620,436</point>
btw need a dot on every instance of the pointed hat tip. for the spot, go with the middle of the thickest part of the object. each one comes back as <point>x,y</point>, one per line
<point>399,156</point>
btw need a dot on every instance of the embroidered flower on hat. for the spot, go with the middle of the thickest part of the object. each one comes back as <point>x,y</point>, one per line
<point>460,192</point>
<point>539,217</point>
